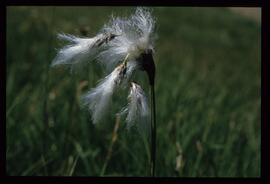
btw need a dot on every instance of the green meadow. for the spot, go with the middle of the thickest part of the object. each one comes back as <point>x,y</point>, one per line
<point>208,97</point>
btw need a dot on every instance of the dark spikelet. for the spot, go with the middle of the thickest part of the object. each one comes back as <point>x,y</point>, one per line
<point>105,39</point>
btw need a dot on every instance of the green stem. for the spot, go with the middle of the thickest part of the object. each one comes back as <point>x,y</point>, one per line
<point>153,130</point>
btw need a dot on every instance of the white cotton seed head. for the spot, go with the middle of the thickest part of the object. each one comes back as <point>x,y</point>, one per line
<point>144,24</point>
<point>135,36</point>
<point>122,40</point>
<point>78,52</point>
<point>98,99</point>
<point>138,112</point>
<point>117,39</point>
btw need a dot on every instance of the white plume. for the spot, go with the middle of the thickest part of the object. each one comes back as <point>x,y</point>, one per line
<point>122,36</point>
<point>135,36</point>
<point>78,51</point>
<point>138,112</point>
<point>98,99</point>
<point>122,40</point>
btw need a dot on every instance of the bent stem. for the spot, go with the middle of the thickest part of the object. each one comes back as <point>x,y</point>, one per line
<point>114,138</point>
<point>153,130</point>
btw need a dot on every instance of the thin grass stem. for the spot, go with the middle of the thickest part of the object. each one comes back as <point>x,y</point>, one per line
<point>109,153</point>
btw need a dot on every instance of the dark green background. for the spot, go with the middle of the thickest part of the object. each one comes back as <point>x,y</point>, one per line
<point>208,95</point>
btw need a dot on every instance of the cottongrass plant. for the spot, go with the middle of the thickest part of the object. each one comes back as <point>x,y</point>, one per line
<point>123,46</point>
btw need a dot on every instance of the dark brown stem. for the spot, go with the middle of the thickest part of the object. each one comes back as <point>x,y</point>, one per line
<point>153,130</point>
<point>148,65</point>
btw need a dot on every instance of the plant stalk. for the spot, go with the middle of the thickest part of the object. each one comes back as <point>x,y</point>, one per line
<point>153,130</point>
<point>148,65</point>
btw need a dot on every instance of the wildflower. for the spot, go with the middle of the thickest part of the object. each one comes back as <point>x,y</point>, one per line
<point>123,46</point>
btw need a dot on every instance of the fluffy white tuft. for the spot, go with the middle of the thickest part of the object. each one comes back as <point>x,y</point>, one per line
<point>131,36</point>
<point>135,36</point>
<point>121,40</point>
<point>138,111</point>
<point>98,99</point>
<point>77,52</point>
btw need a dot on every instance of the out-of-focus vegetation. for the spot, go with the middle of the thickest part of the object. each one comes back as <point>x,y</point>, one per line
<point>208,90</point>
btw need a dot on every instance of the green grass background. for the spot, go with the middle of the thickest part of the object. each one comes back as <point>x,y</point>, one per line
<point>208,95</point>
